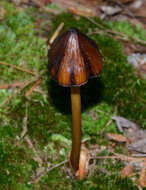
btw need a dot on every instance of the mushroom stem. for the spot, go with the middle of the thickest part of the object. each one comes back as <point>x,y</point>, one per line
<point>76,127</point>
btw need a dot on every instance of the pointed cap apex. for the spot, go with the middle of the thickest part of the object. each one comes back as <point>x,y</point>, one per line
<point>74,58</point>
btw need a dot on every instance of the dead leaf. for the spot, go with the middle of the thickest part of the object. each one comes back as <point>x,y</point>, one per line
<point>109,10</point>
<point>123,123</point>
<point>142,179</point>
<point>138,146</point>
<point>127,171</point>
<point>83,164</point>
<point>81,11</point>
<point>116,137</point>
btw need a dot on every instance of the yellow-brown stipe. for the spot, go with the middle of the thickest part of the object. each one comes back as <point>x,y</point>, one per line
<point>76,127</point>
<point>74,58</point>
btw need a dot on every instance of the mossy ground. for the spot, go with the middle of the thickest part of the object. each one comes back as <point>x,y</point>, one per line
<point>118,91</point>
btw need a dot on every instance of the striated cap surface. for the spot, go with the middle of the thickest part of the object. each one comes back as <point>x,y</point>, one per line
<point>74,58</point>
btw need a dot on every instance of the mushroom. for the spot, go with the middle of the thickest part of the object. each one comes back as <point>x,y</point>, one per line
<point>73,59</point>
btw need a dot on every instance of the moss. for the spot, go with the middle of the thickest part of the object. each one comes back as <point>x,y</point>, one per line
<point>15,165</point>
<point>16,35</point>
<point>122,88</point>
<point>132,31</point>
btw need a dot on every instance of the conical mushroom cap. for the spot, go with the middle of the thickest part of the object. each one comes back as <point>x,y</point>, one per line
<point>74,58</point>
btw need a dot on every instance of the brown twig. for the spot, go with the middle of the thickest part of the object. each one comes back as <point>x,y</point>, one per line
<point>125,8</point>
<point>103,28</point>
<point>14,85</point>
<point>139,155</point>
<point>104,157</point>
<point>25,85</point>
<point>57,165</point>
<point>20,85</point>
<point>24,126</point>
<point>118,35</point>
<point>15,93</point>
<point>29,92</point>
<point>119,157</point>
<point>107,124</point>
<point>101,111</point>
<point>101,32</point>
<point>46,9</point>
<point>58,30</point>
<point>37,78</point>
<point>41,91</point>
<point>36,157</point>
<point>128,158</point>
<point>18,68</point>
<point>37,178</point>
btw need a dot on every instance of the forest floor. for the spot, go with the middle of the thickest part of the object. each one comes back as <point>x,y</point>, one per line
<point>35,115</point>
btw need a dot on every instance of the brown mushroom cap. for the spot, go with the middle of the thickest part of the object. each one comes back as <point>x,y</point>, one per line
<point>74,58</point>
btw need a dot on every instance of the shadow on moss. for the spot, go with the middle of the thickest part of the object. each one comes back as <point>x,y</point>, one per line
<point>122,88</point>
<point>91,94</point>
